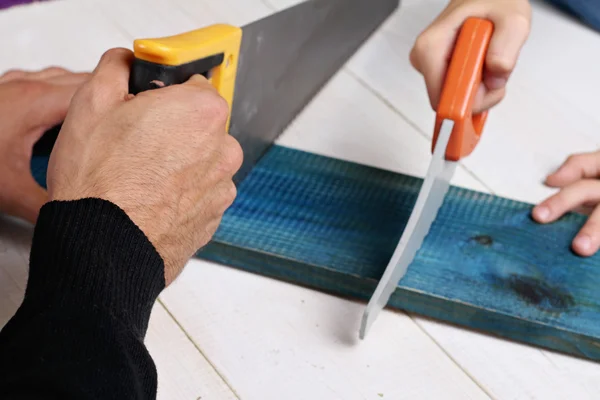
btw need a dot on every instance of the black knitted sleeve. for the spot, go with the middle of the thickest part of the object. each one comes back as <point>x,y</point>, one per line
<point>79,333</point>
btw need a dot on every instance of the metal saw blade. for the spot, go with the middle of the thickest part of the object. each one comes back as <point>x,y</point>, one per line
<point>286,58</point>
<point>430,199</point>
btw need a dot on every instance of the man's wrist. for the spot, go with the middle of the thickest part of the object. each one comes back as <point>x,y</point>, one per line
<point>88,252</point>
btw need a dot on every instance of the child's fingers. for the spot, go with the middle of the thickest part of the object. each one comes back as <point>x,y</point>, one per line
<point>510,34</point>
<point>486,99</point>
<point>430,57</point>
<point>587,241</point>
<point>578,166</point>
<point>568,199</point>
<point>433,48</point>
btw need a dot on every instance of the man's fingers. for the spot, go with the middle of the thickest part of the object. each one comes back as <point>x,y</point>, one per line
<point>44,74</point>
<point>51,108</point>
<point>510,34</point>
<point>587,241</point>
<point>111,76</point>
<point>13,75</point>
<point>71,79</point>
<point>115,63</point>
<point>107,86</point>
<point>568,199</point>
<point>47,73</point>
<point>578,166</point>
<point>54,75</point>
<point>200,82</point>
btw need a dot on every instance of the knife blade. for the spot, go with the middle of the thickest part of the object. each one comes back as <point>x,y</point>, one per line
<point>457,133</point>
<point>268,70</point>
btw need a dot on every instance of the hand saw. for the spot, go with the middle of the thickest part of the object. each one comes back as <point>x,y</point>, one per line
<point>267,71</point>
<point>456,134</point>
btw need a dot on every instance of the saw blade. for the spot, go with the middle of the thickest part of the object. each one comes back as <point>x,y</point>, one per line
<point>286,58</point>
<point>284,61</point>
<point>430,199</point>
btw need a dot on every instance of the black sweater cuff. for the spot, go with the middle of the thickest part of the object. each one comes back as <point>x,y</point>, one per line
<point>90,254</point>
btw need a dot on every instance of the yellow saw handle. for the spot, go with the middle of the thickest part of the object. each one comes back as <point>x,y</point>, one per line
<point>212,51</point>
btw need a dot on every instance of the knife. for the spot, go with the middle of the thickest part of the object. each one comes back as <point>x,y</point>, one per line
<point>457,132</point>
<point>267,71</point>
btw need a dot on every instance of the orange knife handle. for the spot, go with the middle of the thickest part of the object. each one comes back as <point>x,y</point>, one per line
<point>463,78</point>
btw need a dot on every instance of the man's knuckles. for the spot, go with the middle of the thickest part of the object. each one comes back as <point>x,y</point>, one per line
<point>207,106</point>
<point>112,57</point>
<point>12,75</point>
<point>229,195</point>
<point>97,95</point>
<point>30,90</point>
<point>188,104</point>
<point>233,154</point>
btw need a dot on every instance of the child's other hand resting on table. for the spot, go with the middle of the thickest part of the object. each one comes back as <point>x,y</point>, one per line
<point>579,182</point>
<point>433,48</point>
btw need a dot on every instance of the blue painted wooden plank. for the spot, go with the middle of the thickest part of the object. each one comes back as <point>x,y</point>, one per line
<point>333,225</point>
<point>588,11</point>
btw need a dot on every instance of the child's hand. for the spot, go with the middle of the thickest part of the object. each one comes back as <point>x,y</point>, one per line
<point>579,180</point>
<point>433,48</point>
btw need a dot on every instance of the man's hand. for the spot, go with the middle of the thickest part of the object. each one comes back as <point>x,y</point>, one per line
<point>433,49</point>
<point>30,104</point>
<point>579,181</point>
<point>163,156</point>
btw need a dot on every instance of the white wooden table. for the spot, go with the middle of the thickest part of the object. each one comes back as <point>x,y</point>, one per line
<point>219,333</point>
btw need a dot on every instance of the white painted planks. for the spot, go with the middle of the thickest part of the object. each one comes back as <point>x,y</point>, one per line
<point>258,333</point>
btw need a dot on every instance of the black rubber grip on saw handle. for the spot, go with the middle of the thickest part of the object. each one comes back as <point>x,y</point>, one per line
<point>43,147</point>
<point>147,75</point>
<point>144,76</point>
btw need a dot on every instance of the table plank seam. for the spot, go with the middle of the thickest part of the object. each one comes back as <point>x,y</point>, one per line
<point>453,359</point>
<point>268,4</point>
<point>197,347</point>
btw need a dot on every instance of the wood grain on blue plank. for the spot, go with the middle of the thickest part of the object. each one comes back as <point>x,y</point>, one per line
<point>333,226</point>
